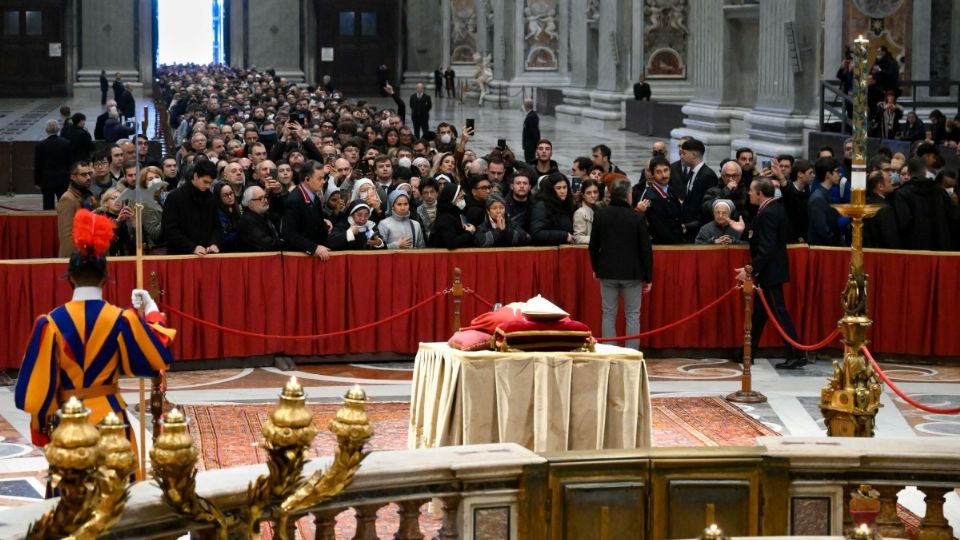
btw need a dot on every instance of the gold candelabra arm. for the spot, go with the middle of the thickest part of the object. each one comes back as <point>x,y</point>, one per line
<point>289,433</point>
<point>173,459</point>
<point>74,457</point>
<point>353,430</point>
<point>113,479</point>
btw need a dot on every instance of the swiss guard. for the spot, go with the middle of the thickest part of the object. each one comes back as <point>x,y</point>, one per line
<point>81,348</point>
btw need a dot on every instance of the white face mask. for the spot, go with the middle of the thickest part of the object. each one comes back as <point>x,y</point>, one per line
<point>404,162</point>
<point>445,138</point>
<point>461,204</point>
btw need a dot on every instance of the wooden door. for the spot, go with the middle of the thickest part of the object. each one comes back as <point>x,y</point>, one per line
<point>362,35</point>
<point>32,40</point>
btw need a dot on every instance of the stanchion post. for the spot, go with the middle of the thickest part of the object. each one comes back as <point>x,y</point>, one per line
<point>457,291</point>
<point>747,394</point>
<point>158,383</point>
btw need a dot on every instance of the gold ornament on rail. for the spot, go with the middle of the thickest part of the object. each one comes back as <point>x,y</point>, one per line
<point>288,431</point>
<point>352,428</point>
<point>174,462</point>
<point>91,470</point>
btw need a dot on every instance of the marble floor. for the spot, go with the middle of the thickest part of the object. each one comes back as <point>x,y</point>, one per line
<point>791,409</point>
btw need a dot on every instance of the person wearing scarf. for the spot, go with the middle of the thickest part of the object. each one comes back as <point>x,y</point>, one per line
<point>399,230</point>
<point>450,229</point>
<point>551,220</point>
<point>497,230</point>
<point>356,231</point>
<point>365,191</point>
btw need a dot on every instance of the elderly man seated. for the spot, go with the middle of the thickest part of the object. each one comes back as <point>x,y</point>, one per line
<point>721,230</point>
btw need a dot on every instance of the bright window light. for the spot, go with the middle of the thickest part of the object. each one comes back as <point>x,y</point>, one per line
<point>185,31</point>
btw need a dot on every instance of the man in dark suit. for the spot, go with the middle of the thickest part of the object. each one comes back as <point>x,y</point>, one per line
<point>641,90</point>
<point>189,222</point>
<point>102,121</point>
<point>305,226</point>
<point>767,235</point>
<point>51,165</point>
<point>678,172</point>
<point>420,105</point>
<point>622,259</point>
<point>699,179</point>
<point>126,104</point>
<point>80,142</point>
<point>662,209</point>
<point>531,131</point>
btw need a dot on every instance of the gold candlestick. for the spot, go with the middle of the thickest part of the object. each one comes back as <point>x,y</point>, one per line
<point>850,400</point>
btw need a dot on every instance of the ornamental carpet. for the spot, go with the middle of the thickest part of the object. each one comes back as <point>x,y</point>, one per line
<point>227,435</point>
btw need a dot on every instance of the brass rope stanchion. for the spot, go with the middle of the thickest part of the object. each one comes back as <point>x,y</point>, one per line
<point>747,394</point>
<point>457,290</point>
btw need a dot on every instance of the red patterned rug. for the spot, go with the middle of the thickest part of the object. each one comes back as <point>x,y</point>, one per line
<point>227,436</point>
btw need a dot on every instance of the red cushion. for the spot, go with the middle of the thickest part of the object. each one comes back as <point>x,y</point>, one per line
<point>565,335</point>
<point>489,321</point>
<point>470,340</point>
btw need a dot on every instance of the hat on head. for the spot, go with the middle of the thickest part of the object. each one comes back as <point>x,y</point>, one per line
<point>443,177</point>
<point>726,202</point>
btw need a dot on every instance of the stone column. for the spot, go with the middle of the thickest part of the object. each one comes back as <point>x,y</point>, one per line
<point>920,47</point>
<point>273,37</point>
<point>705,118</point>
<point>423,55</point>
<point>576,95</point>
<point>605,101</point>
<point>776,121</point>
<point>107,40</point>
<point>236,32</point>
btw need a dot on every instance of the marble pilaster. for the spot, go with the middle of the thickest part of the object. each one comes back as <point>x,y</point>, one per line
<point>273,37</point>
<point>920,47</point>
<point>775,123</point>
<point>582,51</point>
<point>115,35</point>
<point>423,55</point>
<point>707,118</point>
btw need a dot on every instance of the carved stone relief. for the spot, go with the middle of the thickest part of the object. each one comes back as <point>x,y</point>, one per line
<point>665,39</point>
<point>463,31</point>
<point>541,35</point>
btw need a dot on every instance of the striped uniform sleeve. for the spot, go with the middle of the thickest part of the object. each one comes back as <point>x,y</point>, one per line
<point>36,390</point>
<point>144,347</point>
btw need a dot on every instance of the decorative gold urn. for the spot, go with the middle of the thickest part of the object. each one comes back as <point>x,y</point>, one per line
<point>73,454</point>
<point>174,459</point>
<point>289,432</point>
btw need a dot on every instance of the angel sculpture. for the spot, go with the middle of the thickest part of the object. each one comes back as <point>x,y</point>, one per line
<point>484,73</point>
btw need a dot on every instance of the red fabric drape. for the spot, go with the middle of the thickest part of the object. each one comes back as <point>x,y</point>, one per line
<point>912,296</point>
<point>28,235</point>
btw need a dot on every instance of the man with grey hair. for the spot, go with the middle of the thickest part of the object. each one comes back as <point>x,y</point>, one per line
<point>51,165</point>
<point>531,131</point>
<point>732,187</point>
<point>256,232</point>
<point>622,258</point>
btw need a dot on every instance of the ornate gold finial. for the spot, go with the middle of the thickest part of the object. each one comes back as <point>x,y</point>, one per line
<point>174,458</point>
<point>289,432</point>
<point>73,456</point>
<point>115,448</point>
<point>352,428</point>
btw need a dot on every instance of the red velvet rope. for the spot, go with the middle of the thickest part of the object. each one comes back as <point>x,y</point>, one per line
<point>367,326</point>
<point>901,393</point>
<point>688,318</point>
<point>13,209</point>
<point>480,299</point>
<point>776,324</point>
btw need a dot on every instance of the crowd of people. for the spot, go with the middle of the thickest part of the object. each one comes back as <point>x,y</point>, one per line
<point>262,164</point>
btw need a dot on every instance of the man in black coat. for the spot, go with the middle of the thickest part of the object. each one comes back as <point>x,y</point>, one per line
<point>126,104</point>
<point>81,144</point>
<point>420,105</point>
<point>531,131</point>
<point>767,235</point>
<point>256,232</point>
<point>699,179</point>
<point>880,231</point>
<point>189,222</point>
<point>305,226</point>
<point>924,211</point>
<point>622,259</point>
<point>51,165</point>
<point>102,121</point>
<point>678,172</point>
<point>660,205</point>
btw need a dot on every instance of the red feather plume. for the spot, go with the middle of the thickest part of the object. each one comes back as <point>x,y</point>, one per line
<point>92,233</point>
